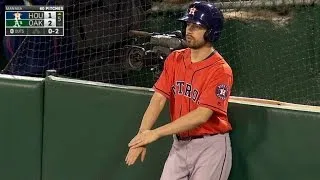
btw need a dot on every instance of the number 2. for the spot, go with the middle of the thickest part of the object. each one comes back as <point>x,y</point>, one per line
<point>50,23</point>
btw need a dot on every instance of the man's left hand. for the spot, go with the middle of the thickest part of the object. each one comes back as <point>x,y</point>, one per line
<point>144,138</point>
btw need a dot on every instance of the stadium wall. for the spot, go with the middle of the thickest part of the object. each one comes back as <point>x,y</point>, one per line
<point>86,126</point>
<point>21,109</point>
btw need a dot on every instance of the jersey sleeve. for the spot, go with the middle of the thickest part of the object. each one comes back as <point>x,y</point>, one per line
<point>217,92</point>
<point>164,83</point>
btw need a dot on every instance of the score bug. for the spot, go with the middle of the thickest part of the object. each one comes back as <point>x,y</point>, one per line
<point>53,31</point>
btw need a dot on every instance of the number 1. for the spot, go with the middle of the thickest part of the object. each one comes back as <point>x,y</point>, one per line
<point>50,15</point>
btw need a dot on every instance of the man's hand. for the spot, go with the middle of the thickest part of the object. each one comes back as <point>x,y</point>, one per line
<point>134,153</point>
<point>144,138</point>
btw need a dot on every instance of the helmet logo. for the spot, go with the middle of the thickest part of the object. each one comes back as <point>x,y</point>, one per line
<point>192,10</point>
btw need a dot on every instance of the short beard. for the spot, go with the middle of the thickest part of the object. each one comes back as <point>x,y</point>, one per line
<point>196,44</point>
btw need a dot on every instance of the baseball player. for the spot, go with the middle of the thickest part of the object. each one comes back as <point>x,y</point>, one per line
<point>197,82</point>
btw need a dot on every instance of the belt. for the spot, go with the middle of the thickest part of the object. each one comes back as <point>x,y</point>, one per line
<point>189,138</point>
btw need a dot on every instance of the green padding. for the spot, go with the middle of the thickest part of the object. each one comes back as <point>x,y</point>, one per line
<point>87,128</point>
<point>20,128</point>
<point>274,144</point>
<point>86,131</point>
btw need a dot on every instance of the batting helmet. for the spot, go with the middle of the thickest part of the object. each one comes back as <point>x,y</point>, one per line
<point>207,15</point>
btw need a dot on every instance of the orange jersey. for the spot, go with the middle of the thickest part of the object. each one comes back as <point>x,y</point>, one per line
<point>189,85</point>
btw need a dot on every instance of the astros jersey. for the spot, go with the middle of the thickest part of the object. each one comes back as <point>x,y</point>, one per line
<point>189,85</point>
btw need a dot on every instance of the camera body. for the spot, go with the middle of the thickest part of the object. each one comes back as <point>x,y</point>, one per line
<point>149,50</point>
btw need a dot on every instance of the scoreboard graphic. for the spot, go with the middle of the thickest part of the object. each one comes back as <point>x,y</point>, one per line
<point>34,21</point>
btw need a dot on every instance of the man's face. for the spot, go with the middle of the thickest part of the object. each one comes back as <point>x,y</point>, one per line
<point>195,36</point>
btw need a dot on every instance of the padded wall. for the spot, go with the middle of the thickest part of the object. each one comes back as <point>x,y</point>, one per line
<point>21,109</point>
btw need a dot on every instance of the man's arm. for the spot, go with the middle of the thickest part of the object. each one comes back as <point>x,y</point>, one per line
<point>186,122</point>
<point>156,105</point>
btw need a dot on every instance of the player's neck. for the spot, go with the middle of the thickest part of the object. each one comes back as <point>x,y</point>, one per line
<point>201,53</point>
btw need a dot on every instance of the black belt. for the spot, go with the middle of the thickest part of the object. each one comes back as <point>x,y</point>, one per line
<point>189,138</point>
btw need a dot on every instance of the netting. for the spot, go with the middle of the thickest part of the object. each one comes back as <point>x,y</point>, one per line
<point>96,33</point>
<point>272,46</point>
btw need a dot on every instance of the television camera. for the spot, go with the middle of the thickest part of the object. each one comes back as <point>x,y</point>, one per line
<point>149,50</point>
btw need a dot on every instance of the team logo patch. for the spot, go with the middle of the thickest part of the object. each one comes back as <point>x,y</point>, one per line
<point>222,91</point>
<point>192,10</point>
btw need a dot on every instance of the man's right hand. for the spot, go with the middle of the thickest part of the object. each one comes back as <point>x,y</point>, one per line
<point>134,153</point>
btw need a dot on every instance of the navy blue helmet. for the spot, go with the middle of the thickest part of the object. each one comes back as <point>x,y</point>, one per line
<point>207,15</point>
